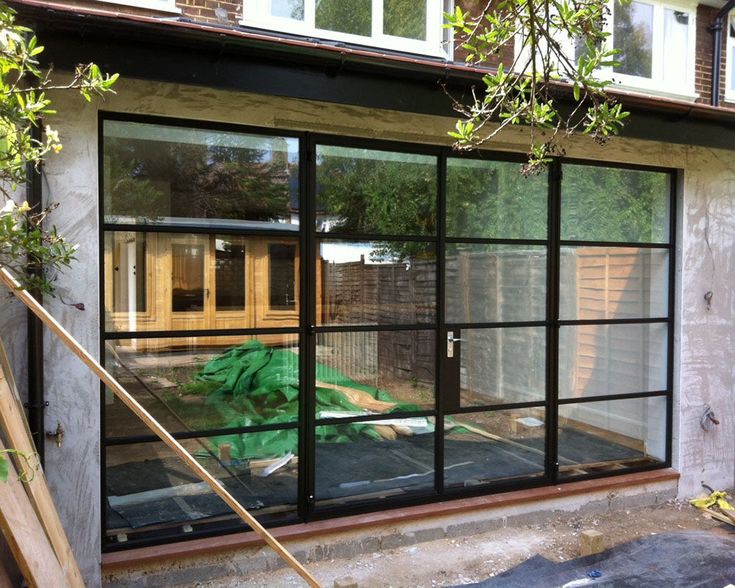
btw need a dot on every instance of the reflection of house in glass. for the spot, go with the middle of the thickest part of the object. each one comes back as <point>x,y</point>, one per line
<point>207,183</point>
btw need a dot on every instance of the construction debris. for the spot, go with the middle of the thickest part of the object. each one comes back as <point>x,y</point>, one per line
<point>715,506</point>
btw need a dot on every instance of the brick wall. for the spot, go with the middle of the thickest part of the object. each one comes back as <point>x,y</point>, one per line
<point>212,11</point>
<point>703,67</point>
<point>474,7</point>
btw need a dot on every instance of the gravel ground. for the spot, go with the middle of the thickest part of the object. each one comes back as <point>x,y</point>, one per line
<point>465,560</point>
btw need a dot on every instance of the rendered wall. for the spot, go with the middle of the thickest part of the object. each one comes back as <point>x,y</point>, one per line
<point>705,371</point>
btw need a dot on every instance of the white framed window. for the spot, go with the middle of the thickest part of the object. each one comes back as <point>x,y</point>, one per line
<point>158,5</point>
<point>657,43</point>
<point>730,60</point>
<point>413,26</point>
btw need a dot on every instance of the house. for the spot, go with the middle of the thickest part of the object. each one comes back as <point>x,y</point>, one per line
<point>278,247</point>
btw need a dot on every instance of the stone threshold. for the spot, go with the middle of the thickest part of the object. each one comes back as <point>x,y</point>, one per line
<point>136,557</point>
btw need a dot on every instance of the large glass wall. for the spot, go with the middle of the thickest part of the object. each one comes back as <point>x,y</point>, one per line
<point>298,313</point>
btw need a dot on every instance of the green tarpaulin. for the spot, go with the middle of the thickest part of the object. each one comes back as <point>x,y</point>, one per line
<point>253,384</point>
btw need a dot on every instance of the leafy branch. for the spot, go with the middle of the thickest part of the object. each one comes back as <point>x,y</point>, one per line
<point>28,462</point>
<point>32,253</point>
<point>559,45</point>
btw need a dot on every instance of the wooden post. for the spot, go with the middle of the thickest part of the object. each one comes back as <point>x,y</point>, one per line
<point>25,535</point>
<point>127,399</point>
<point>12,421</point>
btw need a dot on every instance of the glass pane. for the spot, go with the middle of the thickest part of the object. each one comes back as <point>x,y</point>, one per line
<point>501,366</point>
<point>157,174</point>
<point>378,283</point>
<point>492,283</point>
<point>494,199</point>
<point>363,461</point>
<point>288,9</point>
<point>613,283</point>
<point>405,18</point>
<point>187,275</point>
<point>633,37</point>
<point>375,192</point>
<point>611,435</point>
<point>374,372</point>
<point>282,276</point>
<point>148,488</point>
<point>128,276</point>
<point>597,360</point>
<point>610,204</point>
<point>345,16</point>
<point>676,38</point>
<point>199,282</point>
<point>203,383</point>
<point>229,272</point>
<point>492,446</point>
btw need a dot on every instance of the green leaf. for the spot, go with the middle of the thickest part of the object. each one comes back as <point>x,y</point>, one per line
<point>3,468</point>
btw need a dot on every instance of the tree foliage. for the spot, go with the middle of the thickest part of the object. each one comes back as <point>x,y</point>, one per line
<point>558,46</point>
<point>29,251</point>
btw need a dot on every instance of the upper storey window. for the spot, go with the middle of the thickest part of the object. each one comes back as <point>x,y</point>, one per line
<point>413,26</point>
<point>656,43</point>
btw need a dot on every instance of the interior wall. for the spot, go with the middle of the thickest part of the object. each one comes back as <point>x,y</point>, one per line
<point>707,262</point>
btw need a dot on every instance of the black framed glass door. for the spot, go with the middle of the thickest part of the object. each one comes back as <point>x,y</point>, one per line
<point>494,348</point>
<point>335,325</point>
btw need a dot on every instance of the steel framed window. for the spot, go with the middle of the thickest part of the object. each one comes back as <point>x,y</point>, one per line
<point>553,322</point>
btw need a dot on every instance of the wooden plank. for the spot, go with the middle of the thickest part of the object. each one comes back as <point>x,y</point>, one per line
<point>127,399</point>
<point>17,435</point>
<point>358,397</point>
<point>26,537</point>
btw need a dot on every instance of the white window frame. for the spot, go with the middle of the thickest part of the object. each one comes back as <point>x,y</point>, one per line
<point>157,5</point>
<point>256,13</point>
<point>656,84</point>
<point>729,77</point>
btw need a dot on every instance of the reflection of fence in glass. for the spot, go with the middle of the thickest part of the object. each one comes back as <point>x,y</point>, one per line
<point>594,360</point>
<point>508,365</point>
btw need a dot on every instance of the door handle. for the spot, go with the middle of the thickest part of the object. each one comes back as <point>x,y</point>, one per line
<point>451,340</point>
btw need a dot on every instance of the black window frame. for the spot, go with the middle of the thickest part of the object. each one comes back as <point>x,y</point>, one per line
<point>307,328</point>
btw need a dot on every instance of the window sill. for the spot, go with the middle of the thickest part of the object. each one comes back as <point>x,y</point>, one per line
<point>335,38</point>
<point>131,558</point>
<point>657,92</point>
<point>167,7</point>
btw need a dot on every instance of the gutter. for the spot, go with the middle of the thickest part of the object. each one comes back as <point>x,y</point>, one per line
<point>716,29</point>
